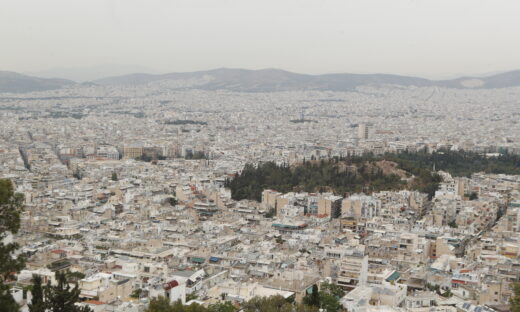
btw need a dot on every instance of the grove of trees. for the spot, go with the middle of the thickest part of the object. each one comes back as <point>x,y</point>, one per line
<point>329,175</point>
<point>327,298</point>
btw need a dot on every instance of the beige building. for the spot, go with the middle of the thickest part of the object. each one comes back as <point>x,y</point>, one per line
<point>353,270</point>
<point>495,292</point>
<point>132,151</point>
<point>105,287</point>
<point>441,247</point>
<point>360,207</point>
<point>330,206</point>
<point>281,201</point>
<point>269,198</point>
<point>363,131</point>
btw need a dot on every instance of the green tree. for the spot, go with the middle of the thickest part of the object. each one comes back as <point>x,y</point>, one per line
<point>274,304</point>
<point>313,299</point>
<point>61,298</point>
<point>7,302</point>
<point>332,289</point>
<point>515,298</point>
<point>473,196</point>
<point>114,176</point>
<point>267,304</point>
<point>452,224</point>
<point>222,307</point>
<point>160,304</point>
<point>136,293</point>
<point>73,277</point>
<point>329,296</point>
<point>194,307</point>
<point>192,296</point>
<point>37,303</point>
<point>173,201</point>
<point>271,213</point>
<point>11,205</point>
<point>447,293</point>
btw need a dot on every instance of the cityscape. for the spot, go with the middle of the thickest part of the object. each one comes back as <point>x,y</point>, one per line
<point>232,189</point>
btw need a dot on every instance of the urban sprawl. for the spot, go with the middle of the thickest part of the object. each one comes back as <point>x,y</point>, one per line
<point>127,187</point>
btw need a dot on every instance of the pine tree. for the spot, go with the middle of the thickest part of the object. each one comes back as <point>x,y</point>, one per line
<point>61,298</point>
<point>160,304</point>
<point>11,205</point>
<point>37,303</point>
<point>312,299</point>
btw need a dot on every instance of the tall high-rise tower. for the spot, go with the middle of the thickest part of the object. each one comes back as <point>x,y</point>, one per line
<point>363,131</point>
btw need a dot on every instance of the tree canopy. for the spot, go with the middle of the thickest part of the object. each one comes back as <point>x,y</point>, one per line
<point>326,298</point>
<point>362,173</point>
<point>515,298</point>
<point>264,304</point>
<point>11,205</point>
<point>61,297</point>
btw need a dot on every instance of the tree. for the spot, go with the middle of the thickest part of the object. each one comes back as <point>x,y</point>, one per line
<point>61,298</point>
<point>271,213</point>
<point>73,277</point>
<point>473,196</point>
<point>314,298</point>
<point>162,304</point>
<point>332,289</point>
<point>515,298</point>
<point>37,303</point>
<point>267,304</point>
<point>11,205</point>
<point>173,201</point>
<point>7,302</point>
<point>329,296</point>
<point>222,307</point>
<point>114,176</point>
<point>159,304</point>
<point>136,293</point>
<point>194,307</point>
<point>453,224</point>
<point>447,293</point>
<point>275,304</point>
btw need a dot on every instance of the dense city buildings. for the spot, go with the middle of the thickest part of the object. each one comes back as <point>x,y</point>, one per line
<point>127,188</point>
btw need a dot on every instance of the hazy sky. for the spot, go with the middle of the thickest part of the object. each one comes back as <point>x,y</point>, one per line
<point>432,38</point>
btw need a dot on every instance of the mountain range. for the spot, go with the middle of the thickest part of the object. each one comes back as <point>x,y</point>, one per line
<point>18,83</point>
<point>264,80</point>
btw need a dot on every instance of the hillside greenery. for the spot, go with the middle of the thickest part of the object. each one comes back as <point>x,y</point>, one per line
<point>327,298</point>
<point>457,163</point>
<point>309,177</point>
<point>11,206</point>
<point>364,174</point>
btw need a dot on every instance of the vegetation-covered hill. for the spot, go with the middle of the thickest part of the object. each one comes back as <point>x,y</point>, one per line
<point>367,174</point>
<point>457,163</point>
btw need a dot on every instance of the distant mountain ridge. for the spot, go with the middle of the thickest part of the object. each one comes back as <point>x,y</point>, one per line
<point>90,73</point>
<point>18,83</point>
<point>264,80</point>
<point>267,80</point>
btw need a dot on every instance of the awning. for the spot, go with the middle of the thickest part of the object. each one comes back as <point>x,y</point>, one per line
<point>197,260</point>
<point>214,259</point>
<point>393,277</point>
